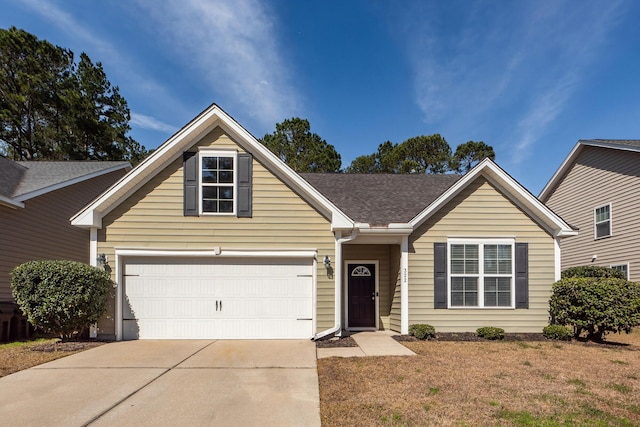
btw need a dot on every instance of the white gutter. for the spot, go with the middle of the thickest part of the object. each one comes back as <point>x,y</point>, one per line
<point>338,291</point>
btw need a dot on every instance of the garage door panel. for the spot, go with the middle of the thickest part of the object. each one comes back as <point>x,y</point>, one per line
<point>256,298</point>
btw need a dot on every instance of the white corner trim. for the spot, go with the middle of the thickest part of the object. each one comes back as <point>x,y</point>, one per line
<point>557,258</point>
<point>404,286</point>
<point>93,246</point>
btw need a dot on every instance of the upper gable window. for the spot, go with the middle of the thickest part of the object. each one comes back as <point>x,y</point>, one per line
<point>602,221</point>
<point>217,182</point>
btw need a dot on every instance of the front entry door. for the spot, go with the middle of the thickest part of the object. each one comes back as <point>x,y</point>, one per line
<point>362,295</point>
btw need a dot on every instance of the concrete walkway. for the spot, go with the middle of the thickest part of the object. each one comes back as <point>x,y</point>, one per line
<point>378,343</point>
<point>181,383</point>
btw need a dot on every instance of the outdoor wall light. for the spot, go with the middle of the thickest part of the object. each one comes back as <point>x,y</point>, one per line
<point>102,259</point>
<point>327,261</point>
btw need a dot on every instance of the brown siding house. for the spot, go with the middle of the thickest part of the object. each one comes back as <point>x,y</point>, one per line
<point>37,200</point>
<point>597,189</point>
<point>213,236</point>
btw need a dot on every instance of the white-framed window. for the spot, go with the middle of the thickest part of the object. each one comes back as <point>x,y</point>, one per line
<point>622,267</point>
<point>602,221</point>
<point>481,273</point>
<point>218,182</point>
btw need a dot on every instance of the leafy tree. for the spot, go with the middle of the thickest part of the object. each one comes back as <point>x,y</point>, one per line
<point>380,162</point>
<point>52,108</point>
<point>420,154</point>
<point>469,154</point>
<point>62,297</point>
<point>302,150</point>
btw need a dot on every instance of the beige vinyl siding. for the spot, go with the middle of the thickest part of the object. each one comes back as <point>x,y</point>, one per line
<point>600,176</point>
<point>388,266</point>
<point>480,211</point>
<point>41,230</point>
<point>153,218</point>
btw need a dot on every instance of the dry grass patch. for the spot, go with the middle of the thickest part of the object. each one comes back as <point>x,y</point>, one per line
<point>20,355</point>
<point>487,383</point>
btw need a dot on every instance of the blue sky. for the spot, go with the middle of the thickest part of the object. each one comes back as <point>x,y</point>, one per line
<point>529,78</point>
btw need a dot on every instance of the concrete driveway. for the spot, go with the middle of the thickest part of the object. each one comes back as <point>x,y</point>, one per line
<point>167,382</point>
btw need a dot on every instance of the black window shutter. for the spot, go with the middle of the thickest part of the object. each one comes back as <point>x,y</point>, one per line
<point>190,170</point>
<point>440,275</point>
<point>522,275</point>
<point>244,185</point>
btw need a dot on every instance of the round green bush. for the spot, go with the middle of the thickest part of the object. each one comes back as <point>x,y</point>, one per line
<point>61,297</point>
<point>490,333</point>
<point>592,271</point>
<point>595,305</point>
<point>422,331</point>
<point>557,332</point>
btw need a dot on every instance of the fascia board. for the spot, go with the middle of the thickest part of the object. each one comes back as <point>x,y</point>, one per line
<point>568,161</point>
<point>11,203</point>
<point>159,159</point>
<point>509,186</point>
<point>170,150</point>
<point>45,190</point>
<point>339,220</point>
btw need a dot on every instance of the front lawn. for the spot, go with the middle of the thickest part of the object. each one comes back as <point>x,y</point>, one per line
<point>19,355</point>
<point>487,383</point>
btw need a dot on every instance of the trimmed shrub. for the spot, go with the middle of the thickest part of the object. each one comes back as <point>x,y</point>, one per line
<point>557,332</point>
<point>595,305</point>
<point>61,297</point>
<point>490,333</point>
<point>422,331</point>
<point>592,271</point>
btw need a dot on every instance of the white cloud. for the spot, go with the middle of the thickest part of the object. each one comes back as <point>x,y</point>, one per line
<point>232,47</point>
<point>151,123</point>
<point>522,60</point>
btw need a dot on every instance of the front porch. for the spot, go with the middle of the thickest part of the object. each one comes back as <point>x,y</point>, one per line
<point>371,287</point>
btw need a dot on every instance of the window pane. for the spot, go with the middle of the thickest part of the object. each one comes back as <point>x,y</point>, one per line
<point>471,299</point>
<point>226,177</point>
<point>471,259</point>
<point>209,192</point>
<point>226,162</point>
<point>209,163</point>
<point>497,291</point>
<point>209,177</point>
<point>209,206</point>
<point>457,259</point>
<point>226,193</point>
<point>603,229</point>
<point>457,284</point>
<point>490,259</point>
<point>226,206</point>
<point>464,291</point>
<point>602,213</point>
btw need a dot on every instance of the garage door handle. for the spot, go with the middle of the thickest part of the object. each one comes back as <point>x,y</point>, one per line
<point>216,305</point>
<point>220,305</point>
<point>305,318</point>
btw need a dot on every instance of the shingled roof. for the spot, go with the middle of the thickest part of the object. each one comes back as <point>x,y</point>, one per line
<point>381,199</point>
<point>20,179</point>
<point>629,144</point>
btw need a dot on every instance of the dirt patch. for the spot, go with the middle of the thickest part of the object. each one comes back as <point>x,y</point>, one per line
<point>336,342</point>
<point>17,356</point>
<point>487,383</point>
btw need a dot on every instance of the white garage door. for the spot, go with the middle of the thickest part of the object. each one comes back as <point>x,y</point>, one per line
<point>226,298</point>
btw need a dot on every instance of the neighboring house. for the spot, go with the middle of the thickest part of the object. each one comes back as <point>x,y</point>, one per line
<point>212,236</point>
<point>37,200</point>
<point>597,189</point>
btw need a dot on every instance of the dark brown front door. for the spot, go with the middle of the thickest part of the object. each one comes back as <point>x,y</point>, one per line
<point>362,295</point>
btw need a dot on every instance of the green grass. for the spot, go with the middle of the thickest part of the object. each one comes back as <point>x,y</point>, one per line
<point>15,344</point>
<point>620,387</point>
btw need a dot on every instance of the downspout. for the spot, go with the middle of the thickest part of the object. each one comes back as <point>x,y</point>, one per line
<point>338,291</point>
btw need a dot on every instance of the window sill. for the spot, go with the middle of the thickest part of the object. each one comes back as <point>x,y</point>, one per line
<point>481,308</point>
